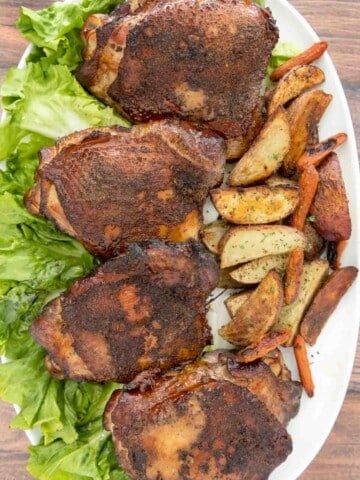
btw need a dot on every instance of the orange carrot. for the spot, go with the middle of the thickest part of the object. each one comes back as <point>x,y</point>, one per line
<point>304,58</point>
<point>303,365</point>
<point>293,275</point>
<point>308,182</point>
<point>315,154</point>
<point>266,344</point>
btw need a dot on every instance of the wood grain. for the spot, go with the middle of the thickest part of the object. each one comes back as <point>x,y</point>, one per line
<point>337,21</point>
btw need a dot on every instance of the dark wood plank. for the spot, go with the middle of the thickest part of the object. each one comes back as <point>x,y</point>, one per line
<point>13,448</point>
<point>338,22</point>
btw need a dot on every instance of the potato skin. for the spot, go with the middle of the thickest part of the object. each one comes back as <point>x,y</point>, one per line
<point>256,205</point>
<point>253,272</point>
<point>212,233</point>
<point>304,114</point>
<point>234,302</point>
<point>314,275</point>
<point>314,242</point>
<point>266,153</point>
<point>330,205</point>
<point>256,316</point>
<point>244,243</point>
<point>325,302</point>
<point>295,82</point>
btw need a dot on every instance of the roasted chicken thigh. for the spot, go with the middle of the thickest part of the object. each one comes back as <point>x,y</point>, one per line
<point>215,418</point>
<point>111,186</point>
<point>200,60</point>
<point>144,309</point>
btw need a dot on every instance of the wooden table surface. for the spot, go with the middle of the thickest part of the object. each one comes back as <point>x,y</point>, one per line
<point>337,21</point>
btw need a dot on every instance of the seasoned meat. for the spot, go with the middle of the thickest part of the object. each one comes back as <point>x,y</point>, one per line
<point>144,309</point>
<point>203,422</point>
<point>201,60</point>
<point>134,185</point>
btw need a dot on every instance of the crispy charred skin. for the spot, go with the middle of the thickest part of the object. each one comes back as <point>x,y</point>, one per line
<point>199,60</point>
<point>134,185</point>
<point>142,310</point>
<point>202,422</point>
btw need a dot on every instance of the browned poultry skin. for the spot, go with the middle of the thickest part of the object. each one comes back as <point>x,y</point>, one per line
<point>142,310</point>
<point>134,185</point>
<point>201,60</point>
<point>199,423</point>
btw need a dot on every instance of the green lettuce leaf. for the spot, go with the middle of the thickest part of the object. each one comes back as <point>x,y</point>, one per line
<point>55,31</point>
<point>42,105</point>
<point>260,2</point>
<point>37,262</point>
<point>50,103</point>
<point>90,457</point>
<point>282,52</point>
<point>60,408</point>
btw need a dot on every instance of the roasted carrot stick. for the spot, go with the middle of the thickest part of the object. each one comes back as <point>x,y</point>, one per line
<point>308,182</point>
<point>315,154</point>
<point>266,344</point>
<point>303,365</point>
<point>304,58</point>
<point>293,275</point>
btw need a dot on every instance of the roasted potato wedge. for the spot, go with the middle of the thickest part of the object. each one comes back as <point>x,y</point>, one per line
<point>234,302</point>
<point>255,205</point>
<point>314,275</point>
<point>212,233</point>
<point>325,302</point>
<point>304,112</point>
<point>314,243</point>
<point>237,146</point>
<point>256,316</point>
<point>330,205</point>
<point>295,82</point>
<point>242,244</point>
<point>266,154</point>
<point>266,344</point>
<point>254,271</point>
<point>276,180</point>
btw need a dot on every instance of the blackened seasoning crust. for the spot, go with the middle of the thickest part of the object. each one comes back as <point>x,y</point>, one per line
<point>206,421</point>
<point>111,186</point>
<point>142,310</point>
<point>202,61</point>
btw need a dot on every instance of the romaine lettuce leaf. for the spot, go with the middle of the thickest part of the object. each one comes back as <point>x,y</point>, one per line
<point>90,457</point>
<point>60,408</point>
<point>51,103</point>
<point>55,31</point>
<point>37,262</point>
<point>282,52</point>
